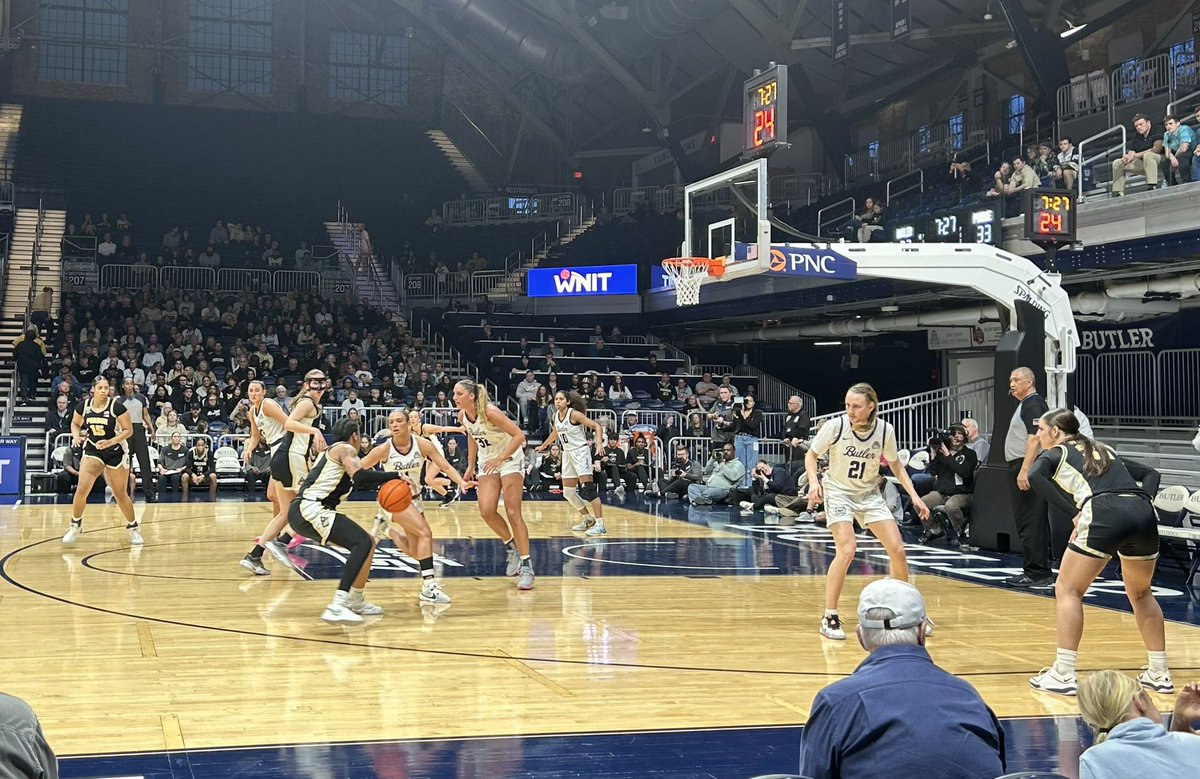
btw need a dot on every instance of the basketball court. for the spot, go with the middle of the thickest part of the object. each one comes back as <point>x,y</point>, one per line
<point>684,630</point>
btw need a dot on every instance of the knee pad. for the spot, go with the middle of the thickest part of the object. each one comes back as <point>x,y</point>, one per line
<point>588,491</point>
<point>572,496</point>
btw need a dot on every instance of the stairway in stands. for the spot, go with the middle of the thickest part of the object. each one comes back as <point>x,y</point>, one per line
<point>29,419</point>
<point>475,180</point>
<point>514,283</point>
<point>373,283</point>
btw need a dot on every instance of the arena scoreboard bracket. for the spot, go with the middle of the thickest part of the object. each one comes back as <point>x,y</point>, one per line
<point>764,111</point>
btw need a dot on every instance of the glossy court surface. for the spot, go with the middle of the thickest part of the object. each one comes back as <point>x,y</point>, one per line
<point>684,644</point>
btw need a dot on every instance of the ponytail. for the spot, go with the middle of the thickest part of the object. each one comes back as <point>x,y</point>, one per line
<point>479,393</point>
<point>1097,457</point>
<point>1104,700</point>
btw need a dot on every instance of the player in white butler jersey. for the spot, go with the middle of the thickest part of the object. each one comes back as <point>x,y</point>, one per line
<point>496,445</point>
<point>407,455</point>
<point>267,423</point>
<point>855,442</point>
<point>314,514</point>
<point>569,427</point>
<point>289,464</point>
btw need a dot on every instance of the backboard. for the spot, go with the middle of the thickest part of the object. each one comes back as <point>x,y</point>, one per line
<point>726,215</point>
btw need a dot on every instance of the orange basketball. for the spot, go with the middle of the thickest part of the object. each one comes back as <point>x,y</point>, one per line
<point>395,496</point>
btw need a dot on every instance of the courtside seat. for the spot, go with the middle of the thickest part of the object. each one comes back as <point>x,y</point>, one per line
<point>918,461</point>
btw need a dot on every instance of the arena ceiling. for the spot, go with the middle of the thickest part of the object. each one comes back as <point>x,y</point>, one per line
<point>602,78</point>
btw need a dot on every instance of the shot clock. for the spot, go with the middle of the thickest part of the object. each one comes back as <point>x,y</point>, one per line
<point>764,111</point>
<point>1050,216</point>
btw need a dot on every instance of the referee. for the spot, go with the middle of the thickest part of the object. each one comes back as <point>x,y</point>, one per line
<point>139,413</point>
<point>1029,509</point>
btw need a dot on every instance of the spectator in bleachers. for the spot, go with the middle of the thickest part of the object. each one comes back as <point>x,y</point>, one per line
<point>960,171</point>
<point>652,365</point>
<point>172,462</point>
<point>526,393</point>
<point>976,442</point>
<point>600,349</point>
<point>609,466</point>
<point>1023,177</point>
<point>1130,736</point>
<point>636,472</point>
<point>352,401</point>
<point>30,354</point>
<point>210,258</point>
<point>706,390</point>
<point>194,417</point>
<point>696,425</point>
<point>747,429</point>
<point>257,467</point>
<point>681,474</point>
<point>106,248</point>
<point>720,419</point>
<point>599,400</point>
<point>1000,180</point>
<point>682,390</point>
<point>213,412</point>
<point>549,470</point>
<point>1179,146</point>
<point>868,221</point>
<point>67,479</point>
<point>1066,164</point>
<point>218,234</point>
<point>58,421</point>
<point>88,227</point>
<point>1143,154</point>
<point>618,393</point>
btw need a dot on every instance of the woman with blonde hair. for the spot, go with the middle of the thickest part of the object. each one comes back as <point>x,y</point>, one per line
<point>856,442</point>
<point>1131,739</point>
<point>496,439</point>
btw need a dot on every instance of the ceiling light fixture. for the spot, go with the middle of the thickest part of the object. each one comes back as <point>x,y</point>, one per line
<point>1072,28</point>
<point>987,15</point>
<point>827,343</point>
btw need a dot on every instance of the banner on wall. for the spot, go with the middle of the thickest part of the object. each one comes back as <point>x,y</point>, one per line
<point>12,466</point>
<point>1178,331</point>
<point>969,337</point>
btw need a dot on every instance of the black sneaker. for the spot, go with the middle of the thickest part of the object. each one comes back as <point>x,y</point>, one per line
<point>931,535</point>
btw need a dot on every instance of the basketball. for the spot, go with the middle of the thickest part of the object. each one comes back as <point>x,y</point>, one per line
<point>395,496</point>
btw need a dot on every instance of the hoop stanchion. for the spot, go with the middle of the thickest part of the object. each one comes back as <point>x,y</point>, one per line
<point>688,274</point>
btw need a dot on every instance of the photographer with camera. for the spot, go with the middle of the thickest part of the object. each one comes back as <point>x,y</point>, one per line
<point>721,419</point>
<point>722,474</point>
<point>952,465</point>
<point>683,472</point>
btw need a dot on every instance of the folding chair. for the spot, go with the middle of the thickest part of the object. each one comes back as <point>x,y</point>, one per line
<point>1169,506</point>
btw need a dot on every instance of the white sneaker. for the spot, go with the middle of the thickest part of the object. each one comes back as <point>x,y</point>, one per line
<point>379,529</point>
<point>525,578</point>
<point>108,495</point>
<point>831,627</point>
<point>771,508</point>
<point>596,529</point>
<point>747,505</point>
<point>431,592</point>
<point>1050,680</point>
<point>135,537</point>
<point>279,552</point>
<point>514,563</point>
<point>72,534</point>
<point>360,605</point>
<point>1157,682</point>
<point>583,524</point>
<point>620,491</point>
<point>336,612</point>
<point>254,566</point>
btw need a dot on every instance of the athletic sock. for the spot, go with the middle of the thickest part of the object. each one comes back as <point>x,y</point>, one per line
<point>1064,661</point>
<point>257,552</point>
<point>132,525</point>
<point>341,598</point>
<point>77,521</point>
<point>831,612</point>
<point>285,538</point>
<point>509,545</point>
<point>426,564</point>
<point>1158,662</point>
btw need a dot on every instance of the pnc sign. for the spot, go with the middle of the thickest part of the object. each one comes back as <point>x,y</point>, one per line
<point>810,261</point>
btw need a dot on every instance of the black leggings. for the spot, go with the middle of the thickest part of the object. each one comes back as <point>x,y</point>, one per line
<point>344,532</point>
<point>140,450</point>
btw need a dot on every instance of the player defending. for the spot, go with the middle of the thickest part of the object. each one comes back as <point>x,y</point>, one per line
<point>407,454</point>
<point>855,442</point>
<point>314,514</point>
<point>267,422</point>
<point>496,445</point>
<point>101,425</point>
<point>1088,481</point>
<point>570,427</point>
<point>289,464</point>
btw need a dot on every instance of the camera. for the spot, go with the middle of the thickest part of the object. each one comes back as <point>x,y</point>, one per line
<point>938,438</point>
<point>738,401</point>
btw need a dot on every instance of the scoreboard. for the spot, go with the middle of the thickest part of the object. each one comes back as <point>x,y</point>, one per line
<point>971,224</point>
<point>764,111</point>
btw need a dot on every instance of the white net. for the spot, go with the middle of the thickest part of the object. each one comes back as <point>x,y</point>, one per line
<point>687,276</point>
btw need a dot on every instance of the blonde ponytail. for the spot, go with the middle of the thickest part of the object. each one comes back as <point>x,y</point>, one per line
<point>479,393</point>
<point>1104,699</point>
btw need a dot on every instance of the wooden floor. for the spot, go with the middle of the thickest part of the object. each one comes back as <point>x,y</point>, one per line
<point>175,646</point>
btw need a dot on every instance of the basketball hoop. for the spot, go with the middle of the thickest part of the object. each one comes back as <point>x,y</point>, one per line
<point>687,274</point>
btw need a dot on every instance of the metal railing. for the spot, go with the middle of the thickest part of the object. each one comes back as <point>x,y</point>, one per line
<point>836,215</point>
<point>117,276</point>
<point>894,187</point>
<point>249,279</point>
<point>1105,154</point>
<point>79,247</point>
<point>1142,80</point>
<point>1085,94</point>
<point>1185,102</point>
<point>1168,387</point>
<point>796,187</point>
<point>295,281</point>
<point>8,196</point>
<point>776,393</point>
<point>914,416</point>
<point>186,277</point>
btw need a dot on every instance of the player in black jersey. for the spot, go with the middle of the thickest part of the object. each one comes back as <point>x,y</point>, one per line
<point>1112,515</point>
<point>101,425</point>
<point>314,514</point>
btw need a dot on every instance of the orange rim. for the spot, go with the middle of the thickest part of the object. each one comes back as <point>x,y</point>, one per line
<point>715,267</point>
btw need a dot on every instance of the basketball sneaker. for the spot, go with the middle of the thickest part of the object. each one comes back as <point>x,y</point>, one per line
<point>337,612</point>
<point>379,529</point>
<point>831,627</point>
<point>583,524</point>
<point>597,529</point>
<point>1157,682</point>
<point>514,563</point>
<point>135,536</point>
<point>431,592</point>
<point>360,605</point>
<point>279,552</point>
<point>73,532</point>
<point>254,566</point>
<point>620,491</point>
<point>525,578</point>
<point>1050,680</point>
<point>747,505</point>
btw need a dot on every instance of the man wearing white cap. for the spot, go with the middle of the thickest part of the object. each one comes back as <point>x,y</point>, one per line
<point>898,714</point>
